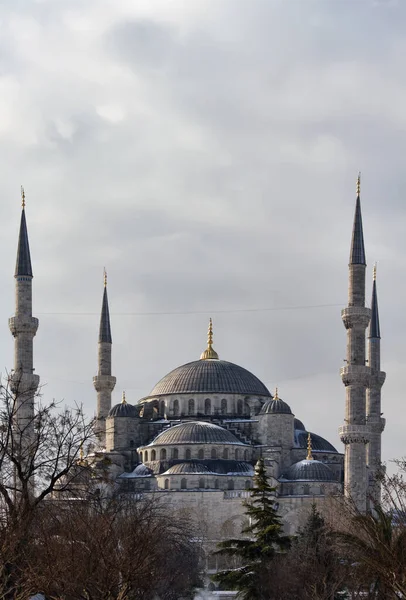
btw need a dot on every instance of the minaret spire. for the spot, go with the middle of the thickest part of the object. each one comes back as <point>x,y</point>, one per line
<point>104,382</point>
<point>23,262</point>
<point>374,329</point>
<point>357,252</point>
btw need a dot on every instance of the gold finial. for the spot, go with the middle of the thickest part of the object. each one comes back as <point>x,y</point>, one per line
<point>123,401</point>
<point>359,184</point>
<point>22,197</point>
<point>309,447</point>
<point>374,273</point>
<point>209,353</point>
<point>105,276</point>
<point>276,397</point>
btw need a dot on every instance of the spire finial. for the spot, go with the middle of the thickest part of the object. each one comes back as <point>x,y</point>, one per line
<point>22,197</point>
<point>374,273</point>
<point>123,401</point>
<point>105,276</point>
<point>309,447</point>
<point>209,353</point>
<point>359,184</point>
<point>276,397</point>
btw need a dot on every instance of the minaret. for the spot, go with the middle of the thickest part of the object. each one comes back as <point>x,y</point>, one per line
<point>23,326</point>
<point>355,375</point>
<point>373,408</point>
<point>104,382</point>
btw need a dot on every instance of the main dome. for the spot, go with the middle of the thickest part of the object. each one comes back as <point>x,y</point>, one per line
<point>195,432</point>
<point>210,377</point>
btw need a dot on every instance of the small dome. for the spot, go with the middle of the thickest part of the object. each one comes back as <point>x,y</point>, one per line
<point>123,410</point>
<point>275,406</point>
<point>297,424</point>
<point>213,467</point>
<point>318,443</point>
<point>142,470</point>
<point>195,432</point>
<point>188,468</point>
<point>308,470</point>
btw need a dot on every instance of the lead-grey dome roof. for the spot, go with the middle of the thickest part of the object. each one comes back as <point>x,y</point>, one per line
<point>210,377</point>
<point>319,444</point>
<point>123,410</point>
<point>195,432</point>
<point>308,470</point>
<point>275,406</point>
<point>214,467</point>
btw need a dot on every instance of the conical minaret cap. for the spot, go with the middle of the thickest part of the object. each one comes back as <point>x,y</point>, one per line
<point>105,329</point>
<point>23,262</point>
<point>357,251</point>
<point>374,328</point>
<point>209,353</point>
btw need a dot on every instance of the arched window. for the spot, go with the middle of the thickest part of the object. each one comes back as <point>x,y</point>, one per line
<point>175,453</point>
<point>145,456</point>
<point>245,454</point>
<point>225,453</point>
<point>153,455</point>
<point>175,408</point>
<point>200,454</point>
<point>167,484</point>
<point>216,484</point>
<point>237,454</point>
<point>306,490</point>
<point>162,408</point>
<point>322,490</point>
<point>224,406</point>
<point>163,454</point>
<point>191,407</point>
<point>131,443</point>
<point>201,483</point>
<point>239,407</point>
<point>207,406</point>
<point>183,484</point>
<point>230,484</point>
<point>247,485</point>
<point>188,454</point>
<point>147,484</point>
<point>213,453</point>
<point>141,457</point>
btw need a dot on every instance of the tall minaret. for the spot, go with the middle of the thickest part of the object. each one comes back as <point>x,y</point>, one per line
<point>373,410</point>
<point>355,375</point>
<point>23,326</point>
<point>104,382</point>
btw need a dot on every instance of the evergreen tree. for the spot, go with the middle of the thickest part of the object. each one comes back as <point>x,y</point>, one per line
<point>264,541</point>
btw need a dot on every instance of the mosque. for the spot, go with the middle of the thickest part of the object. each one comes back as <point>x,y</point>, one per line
<point>195,439</point>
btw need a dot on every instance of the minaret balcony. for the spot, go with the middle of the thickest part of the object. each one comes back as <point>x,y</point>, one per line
<point>22,324</point>
<point>356,316</point>
<point>104,383</point>
<point>356,375</point>
<point>354,434</point>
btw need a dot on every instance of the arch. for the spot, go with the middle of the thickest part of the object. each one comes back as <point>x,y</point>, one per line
<point>224,406</point>
<point>201,483</point>
<point>225,453</point>
<point>162,455</point>
<point>175,453</point>
<point>141,457</point>
<point>237,454</point>
<point>183,484</point>
<point>207,406</point>
<point>230,484</point>
<point>247,484</point>
<point>162,408</point>
<point>175,408</point>
<point>167,484</point>
<point>245,454</point>
<point>239,407</point>
<point>188,454</point>
<point>145,456</point>
<point>191,407</point>
<point>213,453</point>
<point>306,490</point>
<point>153,455</point>
<point>200,454</point>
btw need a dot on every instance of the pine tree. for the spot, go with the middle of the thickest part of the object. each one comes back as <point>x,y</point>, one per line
<point>264,541</point>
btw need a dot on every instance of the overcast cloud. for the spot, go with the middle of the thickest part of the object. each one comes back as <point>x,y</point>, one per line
<point>205,152</point>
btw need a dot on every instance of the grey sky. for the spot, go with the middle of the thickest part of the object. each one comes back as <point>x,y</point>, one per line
<point>206,152</point>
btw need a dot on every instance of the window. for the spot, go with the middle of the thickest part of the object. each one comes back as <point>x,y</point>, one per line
<point>216,484</point>
<point>141,457</point>
<point>322,490</point>
<point>153,455</point>
<point>237,454</point>
<point>225,453</point>
<point>200,454</point>
<point>247,485</point>
<point>224,406</point>
<point>175,408</point>
<point>245,454</point>
<point>239,407</point>
<point>167,484</point>
<point>145,456</point>
<point>191,407</point>
<point>131,443</point>
<point>163,454</point>
<point>306,490</point>
<point>188,454</point>
<point>162,408</point>
<point>175,453</point>
<point>201,483</point>
<point>230,484</point>
<point>147,485</point>
<point>207,406</point>
<point>213,453</point>
<point>183,484</point>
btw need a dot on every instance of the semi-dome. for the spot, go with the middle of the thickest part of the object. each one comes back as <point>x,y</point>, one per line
<point>298,424</point>
<point>195,432</point>
<point>308,470</point>
<point>210,376</point>
<point>276,405</point>
<point>319,444</point>
<point>188,468</point>
<point>213,467</point>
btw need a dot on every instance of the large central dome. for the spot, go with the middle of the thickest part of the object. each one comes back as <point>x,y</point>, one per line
<point>210,377</point>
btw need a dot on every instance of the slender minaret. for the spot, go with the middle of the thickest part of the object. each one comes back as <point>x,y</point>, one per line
<point>373,410</point>
<point>355,375</point>
<point>23,326</point>
<point>104,382</point>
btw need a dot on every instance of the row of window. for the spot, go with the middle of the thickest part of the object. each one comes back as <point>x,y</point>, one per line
<point>207,407</point>
<point>226,454</point>
<point>305,490</point>
<point>202,484</point>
